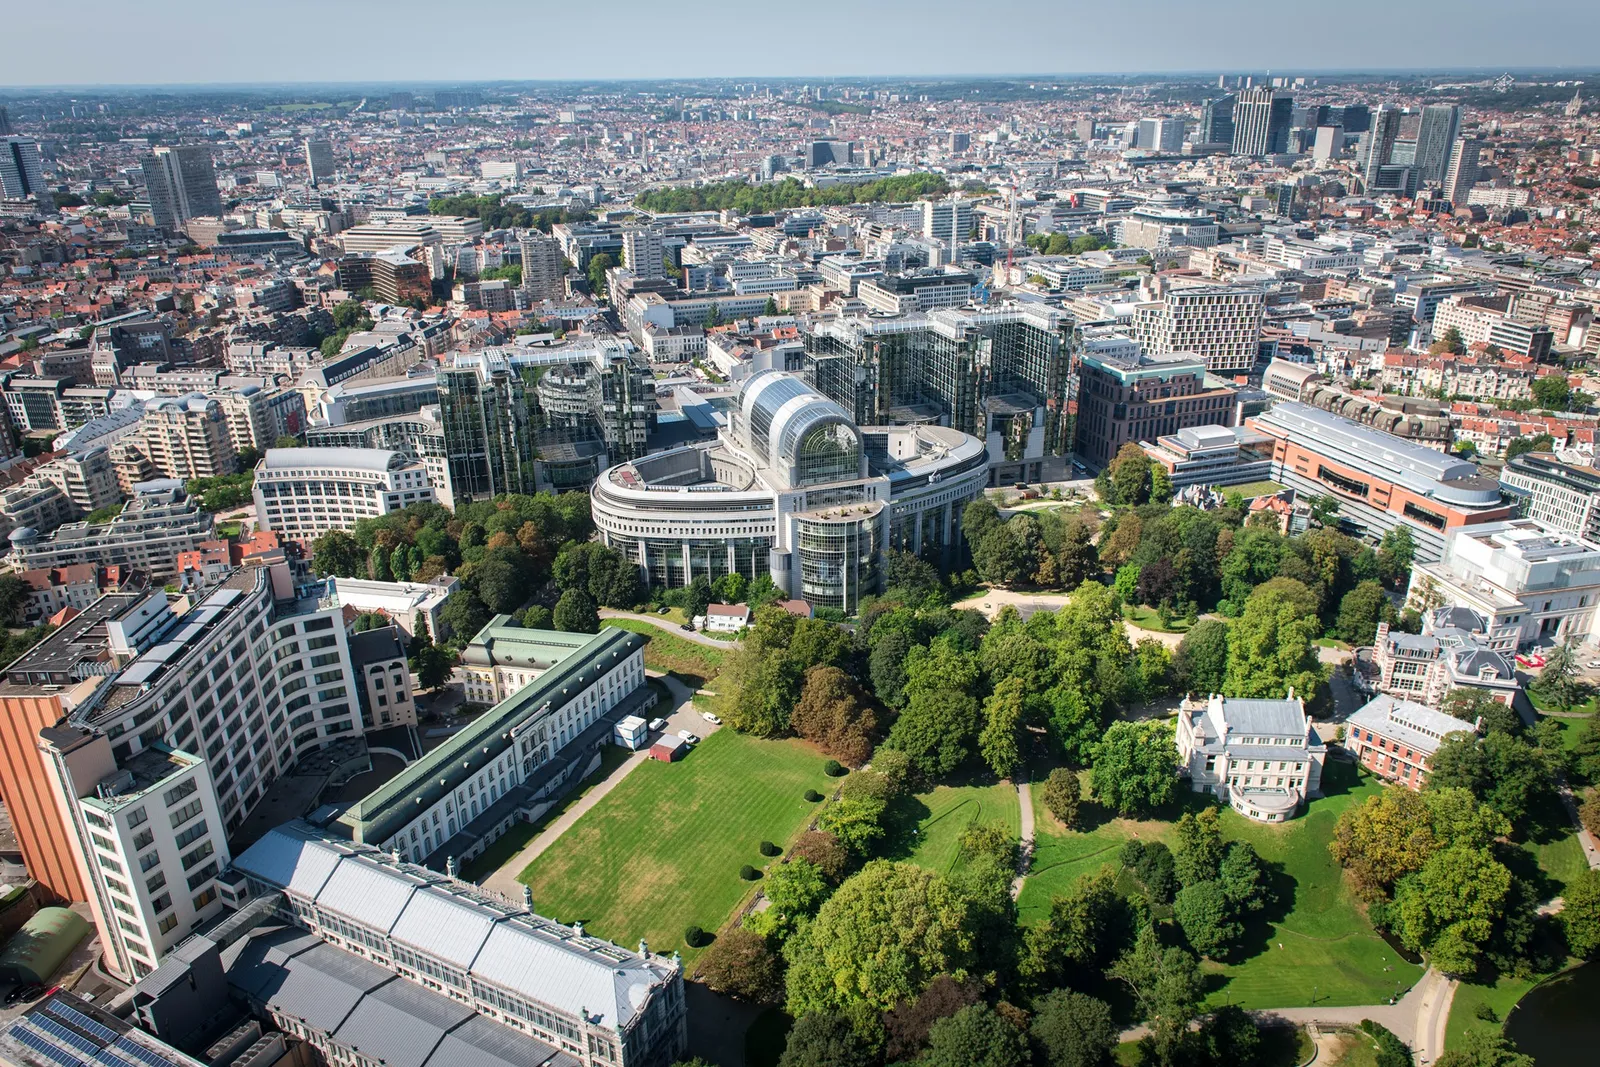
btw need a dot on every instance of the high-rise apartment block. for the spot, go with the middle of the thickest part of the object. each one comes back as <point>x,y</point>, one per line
<point>319,160</point>
<point>947,221</point>
<point>543,268</point>
<point>21,171</point>
<point>182,185</point>
<point>643,252</point>
<point>1220,324</point>
<point>1464,170</point>
<point>1436,141</point>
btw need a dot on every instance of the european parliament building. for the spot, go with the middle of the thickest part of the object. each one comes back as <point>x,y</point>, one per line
<point>795,489</point>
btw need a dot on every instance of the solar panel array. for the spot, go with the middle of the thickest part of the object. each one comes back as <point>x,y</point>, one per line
<point>68,1037</point>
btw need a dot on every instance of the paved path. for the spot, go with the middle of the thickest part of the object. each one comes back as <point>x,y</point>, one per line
<point>992,601</point>
<point>681,717</point>
<point>1025,826</point>
<point>1585,839</point>
<point>670,628</point>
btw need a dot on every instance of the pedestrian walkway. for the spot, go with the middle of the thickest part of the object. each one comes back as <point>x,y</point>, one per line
<point>1025,827</point>
<point>670,628</point>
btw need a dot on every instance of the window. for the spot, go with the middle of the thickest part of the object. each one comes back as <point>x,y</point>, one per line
<point>192,834</point>
<point>185,813</point>
<point>155,881</point>
<point>205,898</point>
<point>179,791</point>
<point>197,855</point>
<point>148,860</point>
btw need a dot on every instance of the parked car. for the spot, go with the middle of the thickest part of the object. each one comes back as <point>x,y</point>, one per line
<point>710,718</point>
<point>1593,665</point>
<point>688,737</point>
<point>655,725</point>
<point>26,991</point>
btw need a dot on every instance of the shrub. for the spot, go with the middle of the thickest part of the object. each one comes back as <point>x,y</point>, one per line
<point>694,937</point>
<point>833,769</point>
<point>749,873</point>
<point>812,796</point>
<point>1392,1052</point>
<point>769,849</point>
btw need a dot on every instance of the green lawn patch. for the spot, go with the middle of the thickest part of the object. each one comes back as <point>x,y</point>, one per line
<point>1150,619</point>
<point>522,834</point>
<point>1061,856</point>
<point>663,849</point>
<point>1470,998</point>
<point>950,810</point>
<point>1251,490</point>
<point>668,652</point>
<point>1322,946</point>
<point>1562,860</point>
<point>1356,1050</point>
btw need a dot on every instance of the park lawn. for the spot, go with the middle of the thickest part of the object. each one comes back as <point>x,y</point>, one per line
<point>1323,946</point>
<point>951,809</point>
<point>1562,859</point>
<point>1251,490</point>
<point>1357,1050</point>
<point>1061,856</point>
<point>1500,997</point>
<point>669,653</point>
<point>662,850</point>
<point>1150,619</point>
<point>513,841</point>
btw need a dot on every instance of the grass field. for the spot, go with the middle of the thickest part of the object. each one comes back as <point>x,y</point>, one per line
<point>1500,997</point>
<point>951,809</point>
<point>663,849</point>
<point>1318,944</point>
<point>1149,619</point>
<point>669,653</point>
<point>1562,860</point>
<point>1251,490</point>
<point>1357,1050</point>
<point>1061,856</point>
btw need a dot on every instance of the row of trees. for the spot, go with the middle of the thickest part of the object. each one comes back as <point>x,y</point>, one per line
<point>790,193</point>
<point>497,215</point>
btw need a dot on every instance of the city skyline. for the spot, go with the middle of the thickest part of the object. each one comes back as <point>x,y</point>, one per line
<point>205,47</point>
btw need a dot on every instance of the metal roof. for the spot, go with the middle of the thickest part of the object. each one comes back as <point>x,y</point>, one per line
<point>443,925</point>
<point>368,894</point>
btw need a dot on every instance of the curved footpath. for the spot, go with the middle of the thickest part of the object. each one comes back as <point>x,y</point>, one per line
<point>671,629</point>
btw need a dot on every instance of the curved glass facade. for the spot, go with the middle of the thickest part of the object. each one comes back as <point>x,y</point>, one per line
<point>829,452</point>
<point>838,561</point>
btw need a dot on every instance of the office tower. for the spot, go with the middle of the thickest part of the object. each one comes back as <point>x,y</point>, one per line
<point>1084,129</point>
<point>5,123</point>
<point>488,432</point>
<point>21,171</point>
<point>402,101</point>
<point>1329,143</point>
<point>643,251</point>
<point>822,153</point>
<point>543,275</point>
<point>1160,135</point>
<point>319,160</point>
<point>1357,118</point>
<point>1436,137</point>
<point>1261,120</point>
<point>772,166</point>
<point>1220,324</point>
<point>1379,143</point>
<point>1216,120</point>
<point>1463,172</point>
<point>946,221</point>
<point>182,185</point>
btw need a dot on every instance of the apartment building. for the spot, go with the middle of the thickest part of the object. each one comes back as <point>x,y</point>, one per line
<point>1219,324</point>
<point>1487,320</point>
<point>544,273</point>
<point>1397,739</point>
<point>54,589</point>
<point>303,493</point>
<point>158,523</point>
<point>187,437</point>
<point>644,252</point>
<point>181,183</point>
<point>150,834</point>
<point>34,506</point>
<point>393,274</point>
<point>1527,579</point>
<point>87,479</point>
<point>1562,496</point>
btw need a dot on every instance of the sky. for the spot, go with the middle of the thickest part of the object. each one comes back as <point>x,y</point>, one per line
<point>114,42</point>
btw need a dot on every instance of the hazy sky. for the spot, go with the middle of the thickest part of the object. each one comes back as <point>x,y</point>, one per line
<point>171,41</point>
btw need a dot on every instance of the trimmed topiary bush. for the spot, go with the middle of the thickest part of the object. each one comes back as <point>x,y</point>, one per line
<point>812,796</point>
<point>749,873</point>
<point>769,849</point>
<point>694,937</point>
<point>833,769</point>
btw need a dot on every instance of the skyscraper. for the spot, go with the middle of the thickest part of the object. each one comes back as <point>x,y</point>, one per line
<point>1436,138</point>
<point>1261,120</point>
<point>1463,172</point>
<point>21,171</point>
<point>5,123</point>
<point>542,272</point>
<point>1379,143</point>
<point>488,432</point>
<point>1216,120</point>
<point>182,185</point>
<point>319,160</point>
<point>642,252</point>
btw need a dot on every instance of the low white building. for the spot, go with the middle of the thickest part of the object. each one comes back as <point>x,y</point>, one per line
<point>406,604</point>
<point>726,618</point>
<point>1531,583</point>
<point>1261,757</point>
<point>303,493</point>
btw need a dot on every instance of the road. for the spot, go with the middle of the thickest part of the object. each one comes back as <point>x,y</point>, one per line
<point>683,716</point>
<point>670,628</point>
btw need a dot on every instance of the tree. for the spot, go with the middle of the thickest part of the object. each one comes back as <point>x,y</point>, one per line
<point>1167,988</point>
<point>978,518</point>
<point>697,597</point>
<point>1062,795</point>
<point>941,714</point>
<point>1270,647</point>
<point>14,593</point>
<point>1504,771</point>
<point>1581,914</point>
<point>430,663</point>
<point>1202,910</point>
<point>882,936</point>
<point>1450,342</point>
<point>1229,1038</point>
<point>1360,612</point>
<point>502,583</point>
<point>598,265</point>
<point>1450,907</point>
<point>1151,669</point>
<point>1522,445</point>
<point>1396,553</point>
<point>794,890</point>
<point>832,714</point>
<point>740,964</point>
<point>823,850</point>
<point>975,1036</point>
<point>1085,930</point>
<point>1073,1030</point>
<point>338,554</point>
<point>1484,1048</point>
<point>1199,853</point>
<point>1552,392</point>
<point>1135,766</point>
<point>999,741</point>
<point>1558,678</point>
<point>289,440</point>
<point>909,1022</point>
<point>1243,878</point>
<point>464,614</point>
<point>1130,475</point>
<point>575,613</point>
<point>824,1039</point>
<point>1201,662</point>
<point>1324,509</point>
